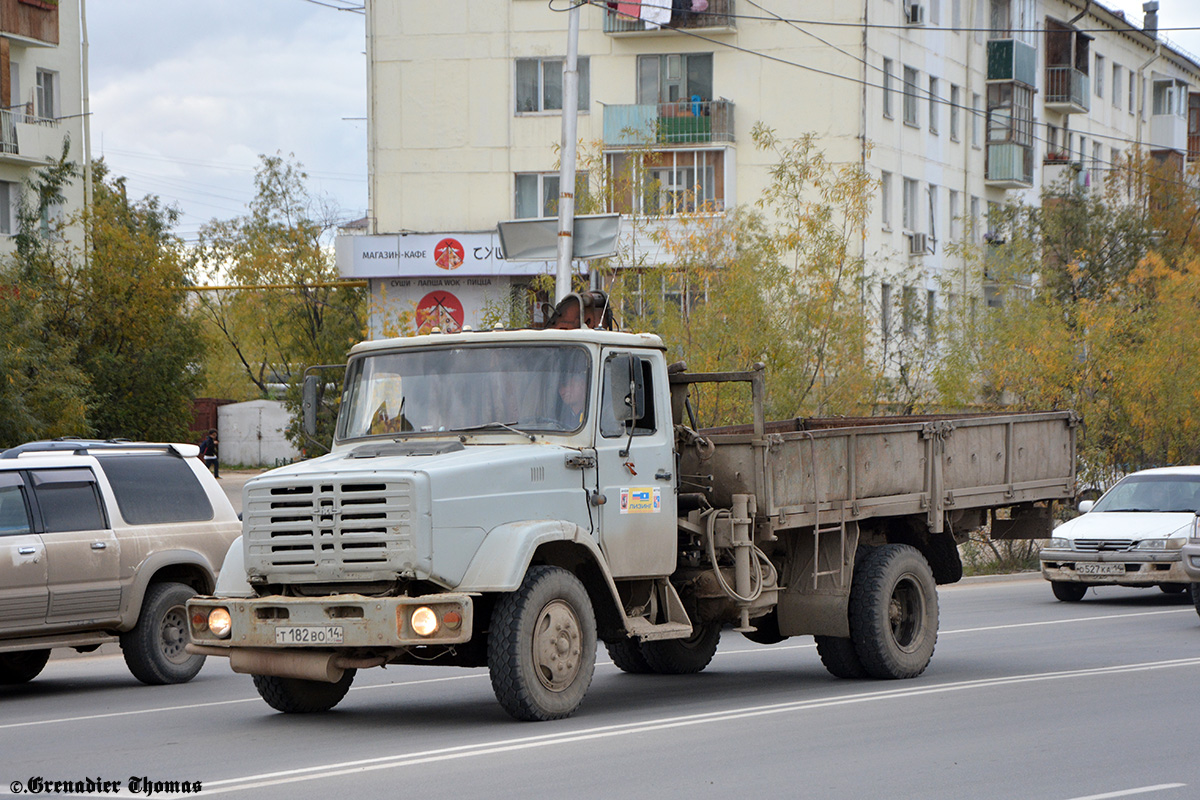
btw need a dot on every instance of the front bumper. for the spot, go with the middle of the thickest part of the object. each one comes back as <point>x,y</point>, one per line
<point>1127,568</point>
<point>1190,558</point>
<point>335,621</point>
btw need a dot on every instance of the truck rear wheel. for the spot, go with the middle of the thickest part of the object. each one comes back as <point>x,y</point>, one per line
<point>298,696</point>
<point>22,667</point>
<point>684,656</point>
<point>839,657</point>
<point>154,650</point>
<point>542,646</point>
<point>626,654</point>
<point>894,612</point>
<point>1068,592</point>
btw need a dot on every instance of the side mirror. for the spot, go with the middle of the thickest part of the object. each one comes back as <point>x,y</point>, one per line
<point>308,404</point>
<point>628,395</point>
<point>1086,506</point>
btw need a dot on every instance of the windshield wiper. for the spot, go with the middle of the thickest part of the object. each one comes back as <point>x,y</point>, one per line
<point>506,425</point>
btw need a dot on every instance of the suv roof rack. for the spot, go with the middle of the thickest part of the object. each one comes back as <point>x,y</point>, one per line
<point>83,447</point>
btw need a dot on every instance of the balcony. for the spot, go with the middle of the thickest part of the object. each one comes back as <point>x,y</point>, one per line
<point>718,18</point>
<point>1011,60</point>
<point>25,139</point>
<point>31,22</point>
<point>1060,174</point>
<point>687,122</point>
<point>1009,166</point>
<point>1168,132</point>
<point>1068,90</point>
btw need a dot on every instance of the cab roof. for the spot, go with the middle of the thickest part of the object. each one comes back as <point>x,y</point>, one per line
<point>522,336</point>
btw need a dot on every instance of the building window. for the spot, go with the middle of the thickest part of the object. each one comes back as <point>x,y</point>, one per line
<point>536,193</point>
<point>1010,114</point>
<point>1118,71</point>
<point>933,213</point>
<point>47,94</point>
<point>910,210</point>
<point>667,183</point>
<point>888,70</point>
<point>955,218</point>
<point>973,220</point>
<point>676,77</point>
<point>910,96</point>
<point>908,311</point>
<point>10,199</point>
<point>539,84</point>
<point>930,314</point>
<point>933,105</point>
<point>885,312</point>
<point>1130,87</point>
<point>956,19</point>
<point>1099,73</point>
<point>955,116</point>
<point>1097,160</point>
<point>885,200</point>
<point>976,120</point>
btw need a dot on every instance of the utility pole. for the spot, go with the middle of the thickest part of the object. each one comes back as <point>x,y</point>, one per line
<point>566,171</point>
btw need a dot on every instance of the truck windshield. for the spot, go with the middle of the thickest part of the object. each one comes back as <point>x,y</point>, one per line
<point>478,388</point>
<point>1153,493</point>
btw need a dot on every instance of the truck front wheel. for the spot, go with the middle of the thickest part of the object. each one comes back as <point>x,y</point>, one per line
<point>298,696</point>
<point>542,646</point>
<point>893,612</point>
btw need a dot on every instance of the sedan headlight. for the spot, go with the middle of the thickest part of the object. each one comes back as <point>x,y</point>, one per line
<point>1174,543</point>
<point>1058,543</point>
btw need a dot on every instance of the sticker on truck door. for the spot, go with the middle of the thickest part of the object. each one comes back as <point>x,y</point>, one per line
<point>641,500</point>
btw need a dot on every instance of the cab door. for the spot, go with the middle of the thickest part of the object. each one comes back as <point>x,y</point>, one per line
<point>23,594</point>
<point>635,464</point>
<point>82,551</point>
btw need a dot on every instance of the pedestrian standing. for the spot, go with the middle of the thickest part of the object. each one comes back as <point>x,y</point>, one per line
<point>208,452</point>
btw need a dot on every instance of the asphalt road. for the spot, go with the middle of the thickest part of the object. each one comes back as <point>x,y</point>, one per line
<point>1026,697</point>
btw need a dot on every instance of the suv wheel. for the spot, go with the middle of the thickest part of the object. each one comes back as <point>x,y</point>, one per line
<point>154,649</point>
<point>22,667</point>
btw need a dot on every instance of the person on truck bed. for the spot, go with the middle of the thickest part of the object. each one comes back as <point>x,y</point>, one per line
<point>597,313</point>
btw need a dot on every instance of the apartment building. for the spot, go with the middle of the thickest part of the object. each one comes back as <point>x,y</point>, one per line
<point>954,105</point>
<point>41,100</point>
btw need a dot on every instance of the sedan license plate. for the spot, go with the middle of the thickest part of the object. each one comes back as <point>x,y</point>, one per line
<point>1096,568</point>
<point>310,634</point>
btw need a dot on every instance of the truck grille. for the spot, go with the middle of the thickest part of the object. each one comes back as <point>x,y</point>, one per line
<point>331,530</point>
<point>1103,545</point>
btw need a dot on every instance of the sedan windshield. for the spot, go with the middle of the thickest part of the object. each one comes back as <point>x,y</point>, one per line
<point>1165,493</point>
<point>477,389</point>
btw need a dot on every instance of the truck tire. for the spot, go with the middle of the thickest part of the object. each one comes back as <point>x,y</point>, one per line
<point>298,696</point>
<point>684,656</point>
<point>1068,592</point>
<point>839,657</point>
<point>1173,588</point>
<point>626,654</point>
<point>1194,591</point>
<point>22,667</point>
<point>767,629</point>
<point>542,646</point>
<point>944,559</point>
<point>154,649</point>
<point>894,612</point>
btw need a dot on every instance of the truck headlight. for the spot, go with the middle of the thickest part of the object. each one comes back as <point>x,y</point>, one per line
<point>423,621</point>
<point>220,623</point>
<point>1058,544</point>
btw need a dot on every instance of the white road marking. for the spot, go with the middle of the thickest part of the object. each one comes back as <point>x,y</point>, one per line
<point>1127,792</point>
<point>359,766</point>
<point>479,676</point>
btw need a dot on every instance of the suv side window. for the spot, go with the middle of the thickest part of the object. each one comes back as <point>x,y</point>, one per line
<point>156,488</point>
<point>14,515</point>
<point>618,385</point>
<point>68,499</point>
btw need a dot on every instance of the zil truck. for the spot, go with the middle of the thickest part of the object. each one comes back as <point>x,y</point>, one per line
<point>509,499</point>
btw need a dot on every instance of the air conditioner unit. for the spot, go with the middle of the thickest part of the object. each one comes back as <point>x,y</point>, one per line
<point>914,14</point>
<point>918,244</point>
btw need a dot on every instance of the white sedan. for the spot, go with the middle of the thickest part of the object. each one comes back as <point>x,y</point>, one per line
<point>1132,536</point>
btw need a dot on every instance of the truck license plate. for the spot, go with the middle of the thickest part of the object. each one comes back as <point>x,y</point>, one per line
<point>1096,568</point>
<point>310,634</point>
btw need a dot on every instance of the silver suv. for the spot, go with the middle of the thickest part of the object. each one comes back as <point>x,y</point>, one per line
<point>105,541</point>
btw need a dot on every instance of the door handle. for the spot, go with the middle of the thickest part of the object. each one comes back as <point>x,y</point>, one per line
<point>662,475</point>
<point>99,545</point>
<point>26,551</point>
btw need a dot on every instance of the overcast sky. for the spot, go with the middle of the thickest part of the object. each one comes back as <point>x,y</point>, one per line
<point>185,96</point>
